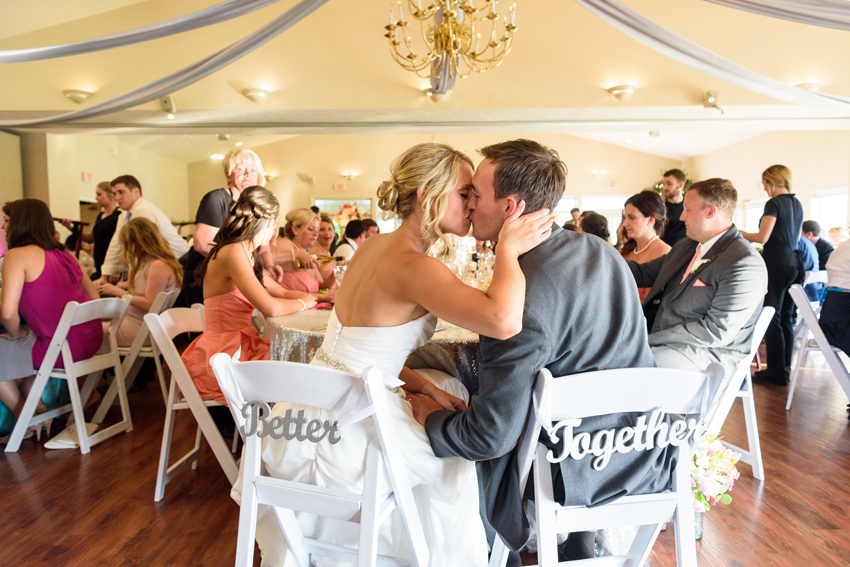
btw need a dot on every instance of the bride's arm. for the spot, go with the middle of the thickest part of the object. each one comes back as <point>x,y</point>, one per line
<point>416,384</point>
<point>498,312</point>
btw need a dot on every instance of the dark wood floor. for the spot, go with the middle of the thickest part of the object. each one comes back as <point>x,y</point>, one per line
<point>62,508</point>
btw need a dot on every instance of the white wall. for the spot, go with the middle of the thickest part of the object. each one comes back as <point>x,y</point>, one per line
<point>11,169</point>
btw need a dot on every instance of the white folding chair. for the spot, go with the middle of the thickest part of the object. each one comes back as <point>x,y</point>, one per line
<point>626,390</point>
<point>259,322</point>
<point>163,329</point>
<point>740,385</point>
<point>355,399</point>
<point>819,342</point>
<point>135,354</point>
<point>801,331</point>
<point>76,314</point>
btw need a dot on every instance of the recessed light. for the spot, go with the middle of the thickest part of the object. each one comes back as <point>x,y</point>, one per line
<point>808,86</point>
<point>217,156</point>
<point>621,92</point>
<point>255,95</point>
<point>170,116</point>
<point>77,96</point>
<point>238,144</point>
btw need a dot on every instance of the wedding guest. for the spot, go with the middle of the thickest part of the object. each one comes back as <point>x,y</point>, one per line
<point>595,224</point>
<point>575,215</point>
<point>673,183</point>
<point>643,226</point>
<point>706,293</point>
<point>838,235</point>
<point>128,195</point>
<point>371,228</point>
<point>300,234</point>
<point>39,278</point>
<point>355,234</point>
<point>234,284</point>
<point>811,231</point>
<point>104,226</point>
<point>809,257</point>
<point>779,231</point>
<point>835,313</point>
<point>571,227</point>
<point>324,244</point>
<point>242,169</point>
<point>152,269</point>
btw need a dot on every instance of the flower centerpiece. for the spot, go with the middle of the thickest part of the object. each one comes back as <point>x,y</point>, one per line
<point>713,473</point>
<point>348,212</point>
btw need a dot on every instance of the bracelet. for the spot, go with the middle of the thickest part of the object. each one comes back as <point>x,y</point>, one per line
<point>303,305</point>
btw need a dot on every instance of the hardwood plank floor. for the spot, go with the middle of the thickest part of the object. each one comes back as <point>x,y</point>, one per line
<point>63,508</point>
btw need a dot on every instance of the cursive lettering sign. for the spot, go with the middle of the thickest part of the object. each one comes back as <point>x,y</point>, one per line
<point>643,436</point>
<point>286,427</point>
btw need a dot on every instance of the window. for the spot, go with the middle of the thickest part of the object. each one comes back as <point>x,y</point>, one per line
<point>753,211</point>
<point>829,208</point>
<point>562,210</point>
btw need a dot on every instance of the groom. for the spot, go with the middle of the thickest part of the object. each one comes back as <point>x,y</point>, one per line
<point>582,313</point>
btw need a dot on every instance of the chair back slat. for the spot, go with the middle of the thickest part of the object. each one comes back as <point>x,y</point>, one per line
<point>106,308</point>
<point>165,327</point>
<point>816,277</point>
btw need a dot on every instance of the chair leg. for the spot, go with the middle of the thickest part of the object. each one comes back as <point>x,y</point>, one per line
<point>753,431</point>
<point>686,549</point>
<point>165,451</point>
<point>801,358</point>
<point>367,552</point>
<point>77,407</point>
<point>161,375</point>
<point>643,542</point>
<point>248,507</point>
<point>544,506</point>
<point>499,554</point>
<point>199,440</point>
<point>27,413</point>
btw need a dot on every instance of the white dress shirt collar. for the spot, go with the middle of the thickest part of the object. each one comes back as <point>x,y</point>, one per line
<point>704,248</point>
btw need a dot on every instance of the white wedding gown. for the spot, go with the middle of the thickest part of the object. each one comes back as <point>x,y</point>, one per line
<point>445,490</point>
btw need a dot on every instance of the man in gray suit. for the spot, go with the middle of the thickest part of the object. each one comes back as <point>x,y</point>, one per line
<point>707,292</point>
<point>582,313</point>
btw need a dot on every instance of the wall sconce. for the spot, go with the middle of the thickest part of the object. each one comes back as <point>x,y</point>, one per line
<point>167,105</point>
<point>217,156</point>
<point>269,176</point>
<point>711,99</point>
<point>350,176</point>
<point>308,179</point>
<point>77,96</point>
<point>255,95</point>
<point>599,174</point>
<point>622,92</point>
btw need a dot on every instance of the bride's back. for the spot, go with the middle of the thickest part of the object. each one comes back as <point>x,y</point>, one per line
<point>372,292</point>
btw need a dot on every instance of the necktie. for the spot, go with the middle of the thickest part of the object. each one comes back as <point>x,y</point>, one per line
<point>127,218</point>
<point>691,265</point>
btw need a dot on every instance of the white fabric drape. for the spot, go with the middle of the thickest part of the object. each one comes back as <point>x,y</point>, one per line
<point>187,75</point>
<point>825,13</point>
<point>677,47</point>
<point>208,16</point>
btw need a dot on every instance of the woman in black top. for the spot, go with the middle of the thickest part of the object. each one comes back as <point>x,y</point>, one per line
<point>104,227</point>
<point>779,231</point>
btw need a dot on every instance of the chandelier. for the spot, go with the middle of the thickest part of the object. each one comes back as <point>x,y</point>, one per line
<point>453,47</point>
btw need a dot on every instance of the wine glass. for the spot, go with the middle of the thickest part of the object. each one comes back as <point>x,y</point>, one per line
<point>339,272</point>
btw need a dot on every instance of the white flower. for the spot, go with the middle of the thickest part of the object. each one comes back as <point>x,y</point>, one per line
<point>699,263</point>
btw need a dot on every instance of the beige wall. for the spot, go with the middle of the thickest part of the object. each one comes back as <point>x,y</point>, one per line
<point>325,158</point>
<point>11,171</point>
<point>818,160</point>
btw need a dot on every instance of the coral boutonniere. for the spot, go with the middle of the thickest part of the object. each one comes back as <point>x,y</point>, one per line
<point>698,264</point>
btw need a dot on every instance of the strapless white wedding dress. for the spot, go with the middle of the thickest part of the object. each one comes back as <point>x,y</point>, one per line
<point>445,490</point>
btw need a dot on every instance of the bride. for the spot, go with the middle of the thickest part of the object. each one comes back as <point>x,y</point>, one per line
<point>388,306</point>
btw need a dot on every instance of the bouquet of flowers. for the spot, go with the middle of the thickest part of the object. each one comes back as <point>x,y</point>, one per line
<point>713,473</point>
<point>348,212</point>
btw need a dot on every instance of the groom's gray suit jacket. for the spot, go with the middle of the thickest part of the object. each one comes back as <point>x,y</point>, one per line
<point>710,316</point>
<point>582,313</point>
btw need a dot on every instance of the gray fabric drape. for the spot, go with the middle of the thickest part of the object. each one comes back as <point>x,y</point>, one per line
<point>187,75</point>
<point>677,47</point>
<point>208,16</point>
<point>825,13</point>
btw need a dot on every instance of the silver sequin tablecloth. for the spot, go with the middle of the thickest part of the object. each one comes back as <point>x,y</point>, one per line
<point>453,350</point>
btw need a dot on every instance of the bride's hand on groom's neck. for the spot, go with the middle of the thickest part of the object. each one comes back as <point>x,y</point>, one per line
<point>521,233</point>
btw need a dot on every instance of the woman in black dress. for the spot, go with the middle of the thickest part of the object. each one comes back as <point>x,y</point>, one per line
<point>779,231</point>
<point>104,227</point>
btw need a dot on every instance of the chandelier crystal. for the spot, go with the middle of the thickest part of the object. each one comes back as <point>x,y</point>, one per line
<point>453,46</point>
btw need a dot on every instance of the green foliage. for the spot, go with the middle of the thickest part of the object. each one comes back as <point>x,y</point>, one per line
<point>657,187</point>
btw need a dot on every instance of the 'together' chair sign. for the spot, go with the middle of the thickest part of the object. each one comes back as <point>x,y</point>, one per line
<point>641,437</point>
<point>286,427</point>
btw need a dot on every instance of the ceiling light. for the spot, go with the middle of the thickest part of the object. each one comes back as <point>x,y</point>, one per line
<point>238,144</point>
<point>217,156</point>
<point>808,86</point>
<point>167,105</point>
<point>255,95</point>
<point>351,175</point>
<point>435,96</point>
<point>77,96</point>
<point>269,176</point>
<point>170,116</point>
<point>711,99</point>
<point>599,174</point>
<point>223,137</point>
<point>622,92</point>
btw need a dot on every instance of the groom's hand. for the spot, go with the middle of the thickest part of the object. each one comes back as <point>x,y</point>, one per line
<point>422,407</point>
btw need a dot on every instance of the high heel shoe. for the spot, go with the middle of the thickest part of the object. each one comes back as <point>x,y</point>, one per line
<point>36,429</point>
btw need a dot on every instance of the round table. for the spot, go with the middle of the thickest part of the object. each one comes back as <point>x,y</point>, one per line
<point>295,338</point>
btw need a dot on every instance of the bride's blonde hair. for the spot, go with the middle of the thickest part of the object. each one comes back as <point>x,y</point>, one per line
<point>435,168</point>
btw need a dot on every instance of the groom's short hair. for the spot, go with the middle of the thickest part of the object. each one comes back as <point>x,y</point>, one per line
<point>528,170</point>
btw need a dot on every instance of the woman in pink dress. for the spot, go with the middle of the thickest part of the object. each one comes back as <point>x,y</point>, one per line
<point>39,278</point>
<point>301,232</point>
<point>234,284</point>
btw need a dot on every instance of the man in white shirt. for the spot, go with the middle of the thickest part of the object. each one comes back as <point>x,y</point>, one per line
<point>707,292</point>
<point>355,233</point>
<point>128,195</point>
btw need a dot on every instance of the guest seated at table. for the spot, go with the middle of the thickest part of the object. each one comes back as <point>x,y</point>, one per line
<point>152,269</point>
<point>234,284</point>
<point>838,235</point>
<point>355,234</point>
<point>809,256</point>
<point>811,232</point>
<point>835,313</point>
<point>707,292</point>
<point>371,228</point>
<point>643,224</point>
<point>300,234</point>
<point>39,278</point>
<point>595,224</point>
<point>324,244</point>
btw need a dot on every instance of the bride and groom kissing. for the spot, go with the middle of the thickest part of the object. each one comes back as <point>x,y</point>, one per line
<point>558,299</point>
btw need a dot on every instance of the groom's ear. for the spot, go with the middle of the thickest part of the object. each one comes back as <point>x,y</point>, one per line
<point>511,204</point>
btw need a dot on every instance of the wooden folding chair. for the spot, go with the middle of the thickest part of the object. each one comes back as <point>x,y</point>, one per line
<point>355,399</point>
<point>626,390</point>
<point>76,314</point>
<point>163,329</point>
<point>740,385</point>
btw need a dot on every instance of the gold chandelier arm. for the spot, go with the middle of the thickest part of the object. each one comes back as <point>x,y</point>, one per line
<point>407,63</point>
<point>420,13</point>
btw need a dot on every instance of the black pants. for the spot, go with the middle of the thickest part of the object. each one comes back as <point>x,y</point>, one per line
<point>835,319</point>
<point>783,271</point>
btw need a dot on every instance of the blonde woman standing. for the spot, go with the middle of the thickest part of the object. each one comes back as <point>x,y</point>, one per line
<point>104,227</point>
<point>779,231</point>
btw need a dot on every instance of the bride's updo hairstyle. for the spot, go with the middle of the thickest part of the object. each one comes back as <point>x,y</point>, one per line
<point>244,221</point>
<point>297,218</point>
<point>435,168</point>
